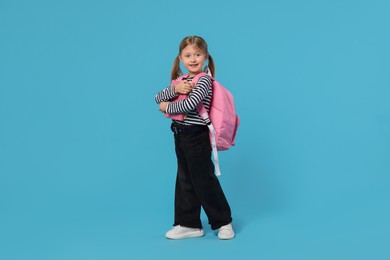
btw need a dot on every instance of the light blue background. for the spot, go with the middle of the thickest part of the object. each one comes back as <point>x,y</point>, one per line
<point>87,165</point>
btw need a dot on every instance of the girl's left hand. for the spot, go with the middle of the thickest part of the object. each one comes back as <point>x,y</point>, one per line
<point>163,106</point>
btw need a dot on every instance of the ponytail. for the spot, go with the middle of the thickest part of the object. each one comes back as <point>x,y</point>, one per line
<point>211,66</point>
<point>176,71</point>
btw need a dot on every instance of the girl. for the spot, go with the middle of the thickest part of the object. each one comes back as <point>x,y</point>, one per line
<point>196,184</point>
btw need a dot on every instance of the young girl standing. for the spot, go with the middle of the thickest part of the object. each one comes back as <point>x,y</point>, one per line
<point>196,184</point>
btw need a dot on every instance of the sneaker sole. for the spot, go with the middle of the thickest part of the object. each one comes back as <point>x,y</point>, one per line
<point>226,238</point>
<point>189,235</point>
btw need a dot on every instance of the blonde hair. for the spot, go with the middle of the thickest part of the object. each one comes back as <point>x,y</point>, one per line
<point>199,43</point>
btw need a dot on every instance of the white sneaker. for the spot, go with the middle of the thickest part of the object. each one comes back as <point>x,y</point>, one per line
<point>179,232</point>
<point>226,232</point>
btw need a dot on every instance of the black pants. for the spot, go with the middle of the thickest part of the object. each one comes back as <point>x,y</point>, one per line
<point>196,184</point>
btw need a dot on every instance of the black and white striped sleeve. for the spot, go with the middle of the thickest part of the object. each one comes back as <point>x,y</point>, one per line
<point>200,91</point>
<point>165,95</point>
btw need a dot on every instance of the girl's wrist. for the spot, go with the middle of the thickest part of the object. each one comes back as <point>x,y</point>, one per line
<point>173,90</point>
<point>166,107</point>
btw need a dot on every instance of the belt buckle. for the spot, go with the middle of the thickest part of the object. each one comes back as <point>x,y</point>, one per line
<point>175,130</point>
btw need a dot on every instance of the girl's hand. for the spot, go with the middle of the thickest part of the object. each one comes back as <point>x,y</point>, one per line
<point>163,106</point>
<point>184,87</point>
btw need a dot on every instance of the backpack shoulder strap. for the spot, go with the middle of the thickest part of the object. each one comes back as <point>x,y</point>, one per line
<point>204,115</point>
<point>198,76</point>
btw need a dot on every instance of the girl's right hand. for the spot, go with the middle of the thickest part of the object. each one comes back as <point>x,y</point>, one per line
<point>184,87</point>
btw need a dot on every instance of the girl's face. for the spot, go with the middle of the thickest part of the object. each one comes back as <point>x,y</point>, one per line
<point>192,59</point>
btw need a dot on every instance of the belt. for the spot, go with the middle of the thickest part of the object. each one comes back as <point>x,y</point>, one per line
<point>178,128</point>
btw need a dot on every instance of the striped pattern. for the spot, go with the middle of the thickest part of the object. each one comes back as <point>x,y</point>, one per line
<point>201,92</point>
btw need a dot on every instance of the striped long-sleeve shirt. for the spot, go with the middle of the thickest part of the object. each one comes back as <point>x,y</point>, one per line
<point>202,92</point>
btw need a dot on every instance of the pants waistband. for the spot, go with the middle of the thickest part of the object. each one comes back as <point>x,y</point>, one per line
<point>178,128</point>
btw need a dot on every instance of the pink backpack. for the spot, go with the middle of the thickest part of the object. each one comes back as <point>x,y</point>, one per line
<point>223,117</point>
